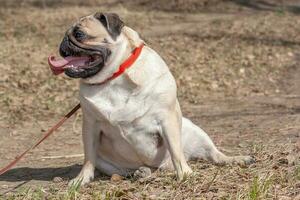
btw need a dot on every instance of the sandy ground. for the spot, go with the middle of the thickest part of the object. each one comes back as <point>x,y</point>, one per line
<point>238,75</point>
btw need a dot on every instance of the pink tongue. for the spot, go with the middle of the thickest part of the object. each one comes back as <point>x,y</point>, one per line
<point>58,65</point>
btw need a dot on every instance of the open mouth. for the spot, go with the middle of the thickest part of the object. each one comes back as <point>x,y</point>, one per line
<point>78,60</point>
<point>75,63</point>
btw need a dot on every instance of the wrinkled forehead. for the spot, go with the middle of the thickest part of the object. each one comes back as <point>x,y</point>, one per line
<point>92,26</point>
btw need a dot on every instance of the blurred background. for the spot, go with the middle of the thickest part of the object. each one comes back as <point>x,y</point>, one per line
<point>213,47</point>
<point>236,63</point>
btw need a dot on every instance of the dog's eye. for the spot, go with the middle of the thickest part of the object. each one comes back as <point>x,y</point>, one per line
<point>105,40</point>
<point>79,35</point>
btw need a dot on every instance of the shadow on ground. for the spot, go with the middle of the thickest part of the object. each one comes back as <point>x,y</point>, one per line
<point>40,174</point>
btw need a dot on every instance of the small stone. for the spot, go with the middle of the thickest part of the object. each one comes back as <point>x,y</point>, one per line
<point>58,179</point>
<point>242,70</point>
<point>116,178</point>
<point>214,85</point>
<point>251,57</point>
<point>278,186</point>
<point>4,186</point>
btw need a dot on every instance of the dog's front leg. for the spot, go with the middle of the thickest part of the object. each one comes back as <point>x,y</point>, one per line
<point>172,136</point>
<point>90,137</point>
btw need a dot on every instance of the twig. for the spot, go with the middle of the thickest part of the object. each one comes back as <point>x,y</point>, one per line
<point>211,182</point>
<point>59,157</point>
<point>14,188</point>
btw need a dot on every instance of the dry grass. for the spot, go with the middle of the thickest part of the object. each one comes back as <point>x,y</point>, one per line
<point>225,55</point>
<point>267,179</point>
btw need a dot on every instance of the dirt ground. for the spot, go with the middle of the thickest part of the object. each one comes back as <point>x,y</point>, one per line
<point>237,67</point>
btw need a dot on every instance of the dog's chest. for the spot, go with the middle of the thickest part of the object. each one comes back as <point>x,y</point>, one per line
<point>127,122</point>
<point>116,104</point>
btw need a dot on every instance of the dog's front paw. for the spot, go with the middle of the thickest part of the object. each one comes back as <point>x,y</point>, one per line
<point>80,181</point>
<point>84,177</point>
<point>186,172</point>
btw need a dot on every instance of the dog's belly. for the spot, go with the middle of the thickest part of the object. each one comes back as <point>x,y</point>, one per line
<point>128,115</point>
<point>131,147</point>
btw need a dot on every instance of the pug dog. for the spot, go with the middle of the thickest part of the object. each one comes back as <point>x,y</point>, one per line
<point>132,123</point>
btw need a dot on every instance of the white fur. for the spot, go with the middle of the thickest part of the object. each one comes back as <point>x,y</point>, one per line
<point>135,120</point>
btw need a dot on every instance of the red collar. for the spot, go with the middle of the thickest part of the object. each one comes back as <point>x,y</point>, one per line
<point>126,64</point>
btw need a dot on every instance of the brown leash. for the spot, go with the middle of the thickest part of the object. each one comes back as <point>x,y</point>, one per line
<point>47,134</point>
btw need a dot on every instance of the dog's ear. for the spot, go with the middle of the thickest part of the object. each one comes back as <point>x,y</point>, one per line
<point>111,22</point>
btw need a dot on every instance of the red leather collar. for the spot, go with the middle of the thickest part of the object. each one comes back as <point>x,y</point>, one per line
<point>126,64</point>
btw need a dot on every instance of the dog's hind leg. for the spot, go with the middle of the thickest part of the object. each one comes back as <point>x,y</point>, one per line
<point>109,169</point>
<point>142,172</point>
<point>198,145</point>
<point>172,137</point>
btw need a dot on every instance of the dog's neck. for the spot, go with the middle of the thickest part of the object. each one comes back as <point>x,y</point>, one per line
<point>126,42</point>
